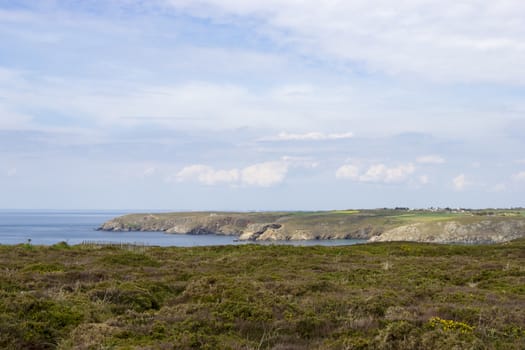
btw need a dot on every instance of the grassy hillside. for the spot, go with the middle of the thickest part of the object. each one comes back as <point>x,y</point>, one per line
<point>373,296</point>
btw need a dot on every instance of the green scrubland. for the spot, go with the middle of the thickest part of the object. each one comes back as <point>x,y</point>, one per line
<point>371,296</point>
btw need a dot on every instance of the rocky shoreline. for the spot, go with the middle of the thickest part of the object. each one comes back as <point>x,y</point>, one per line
<point>375,226</point>
<point>246,229</point>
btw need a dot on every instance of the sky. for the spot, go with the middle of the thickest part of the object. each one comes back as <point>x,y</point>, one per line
<point>261,104</point>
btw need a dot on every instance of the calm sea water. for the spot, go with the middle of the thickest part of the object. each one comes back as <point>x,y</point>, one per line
<point>74,227</point>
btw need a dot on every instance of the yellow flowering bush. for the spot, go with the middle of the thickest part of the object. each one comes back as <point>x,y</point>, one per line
<point>450,325</point>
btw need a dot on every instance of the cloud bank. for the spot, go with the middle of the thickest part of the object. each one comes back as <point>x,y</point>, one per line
<point>476,41</point>
<point>376,173</point>
<point>264,174</point>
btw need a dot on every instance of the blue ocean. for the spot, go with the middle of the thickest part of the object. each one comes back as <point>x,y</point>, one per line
<point>74,227</point>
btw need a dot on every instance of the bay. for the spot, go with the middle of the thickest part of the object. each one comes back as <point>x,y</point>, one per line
<point>74,227</point>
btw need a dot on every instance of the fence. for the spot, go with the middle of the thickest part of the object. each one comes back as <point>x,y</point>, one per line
<point>137,247</point>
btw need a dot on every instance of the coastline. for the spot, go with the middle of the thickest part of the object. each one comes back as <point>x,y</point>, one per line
<point>446,226</point>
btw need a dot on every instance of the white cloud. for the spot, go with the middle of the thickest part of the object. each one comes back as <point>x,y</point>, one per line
<point>348,171</point>
<point>382,173</point>
<point>219,176</point>
<point>376,173</point>
<point>440,40</point>
<point>460,182</point>
<point>259,175</point>
<point>312,136</point>
<point>207,175</point>
<point>264,174</point>
<point>519,176</point>
<point>430,159</point>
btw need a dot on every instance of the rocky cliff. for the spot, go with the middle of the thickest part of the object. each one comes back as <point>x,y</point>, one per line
<point>484,231</point>
<point>248,226</point>
<point>375,225</point>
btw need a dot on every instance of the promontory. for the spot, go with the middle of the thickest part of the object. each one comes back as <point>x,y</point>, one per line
<point>396,224</point>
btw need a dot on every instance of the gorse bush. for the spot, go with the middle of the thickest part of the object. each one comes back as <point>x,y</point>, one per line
<point>450,325</point>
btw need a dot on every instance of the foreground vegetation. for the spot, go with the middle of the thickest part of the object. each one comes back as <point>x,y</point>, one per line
<point>372,296</point>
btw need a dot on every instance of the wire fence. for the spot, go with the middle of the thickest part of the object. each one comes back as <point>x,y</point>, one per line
<point>138,247</point>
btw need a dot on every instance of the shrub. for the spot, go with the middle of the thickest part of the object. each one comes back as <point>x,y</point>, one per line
<point>450,325</point>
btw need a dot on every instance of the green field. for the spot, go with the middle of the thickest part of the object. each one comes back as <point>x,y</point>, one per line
<point>372,296</point>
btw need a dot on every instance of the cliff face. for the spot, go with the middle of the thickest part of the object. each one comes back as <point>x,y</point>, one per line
<point>485,231</point>
<point>375,225</point>
<point>181,224</point>
<point>248,226</point>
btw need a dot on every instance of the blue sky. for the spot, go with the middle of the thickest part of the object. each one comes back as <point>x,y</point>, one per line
<point>261,105</point>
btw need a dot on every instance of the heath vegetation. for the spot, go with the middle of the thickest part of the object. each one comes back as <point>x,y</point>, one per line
<point>371,296</point>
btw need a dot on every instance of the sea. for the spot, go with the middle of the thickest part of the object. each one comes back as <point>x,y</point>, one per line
<point>48,227</point>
